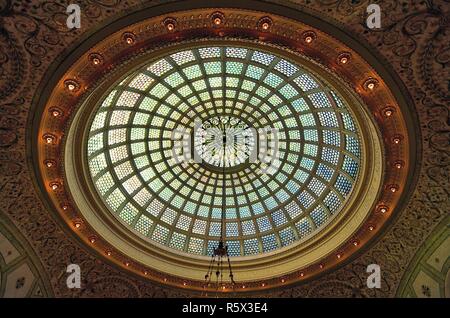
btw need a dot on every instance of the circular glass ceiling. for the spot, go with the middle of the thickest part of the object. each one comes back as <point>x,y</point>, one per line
<point>169,188</point>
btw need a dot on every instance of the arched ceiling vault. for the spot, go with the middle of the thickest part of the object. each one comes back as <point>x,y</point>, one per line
<point>411,46</point>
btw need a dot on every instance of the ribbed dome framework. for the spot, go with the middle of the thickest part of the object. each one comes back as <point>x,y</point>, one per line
<point>179,204</point>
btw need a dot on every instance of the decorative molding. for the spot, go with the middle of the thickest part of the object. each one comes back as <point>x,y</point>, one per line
<point>21,273</point>
<point>412,45</point>
<point>64,187</point>
<point>429,271</point>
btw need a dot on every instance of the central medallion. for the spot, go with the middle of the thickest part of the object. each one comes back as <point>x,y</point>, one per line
<point>224,141</point>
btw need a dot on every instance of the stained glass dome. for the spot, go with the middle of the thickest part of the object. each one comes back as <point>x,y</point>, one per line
<point>178,203</point>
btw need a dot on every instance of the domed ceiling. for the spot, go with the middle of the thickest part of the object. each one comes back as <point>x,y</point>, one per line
<point>159,152</point>
<point>151,135</point>
<point>179,203</point>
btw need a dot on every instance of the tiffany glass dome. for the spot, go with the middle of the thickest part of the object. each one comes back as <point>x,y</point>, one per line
<point>310,165</point>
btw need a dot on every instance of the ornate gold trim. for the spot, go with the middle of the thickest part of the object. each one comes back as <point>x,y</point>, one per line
<point>197,24</point>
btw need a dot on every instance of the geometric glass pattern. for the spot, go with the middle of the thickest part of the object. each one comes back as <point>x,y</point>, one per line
<point>178,203</point>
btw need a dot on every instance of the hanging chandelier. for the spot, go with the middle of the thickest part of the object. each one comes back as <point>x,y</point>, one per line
<point>220,259</point>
